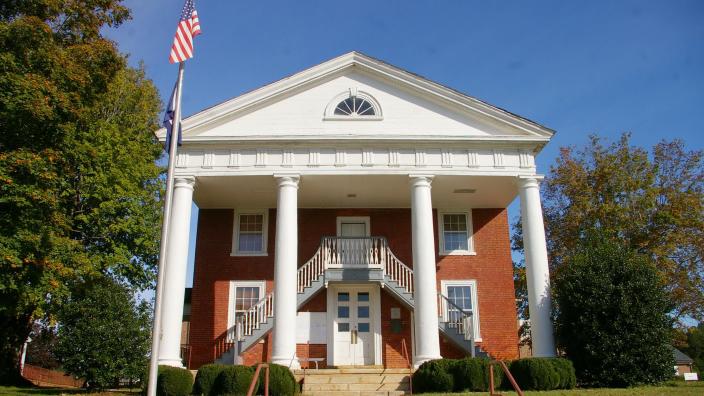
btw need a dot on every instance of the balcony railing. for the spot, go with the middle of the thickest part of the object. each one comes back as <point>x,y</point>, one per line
<point>365,252</point>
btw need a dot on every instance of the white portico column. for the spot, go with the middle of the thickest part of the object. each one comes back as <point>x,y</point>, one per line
<point>175,272</point>
<point>427,337</point>
<point>537,270</point>
<point>285,273</point>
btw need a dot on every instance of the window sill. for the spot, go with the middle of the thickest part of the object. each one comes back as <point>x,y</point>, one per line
<point>249,254</point>
<point>478,339</point>
<point>459,253</point>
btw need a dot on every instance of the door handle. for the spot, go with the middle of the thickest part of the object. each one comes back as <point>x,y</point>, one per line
<point>353,334</point>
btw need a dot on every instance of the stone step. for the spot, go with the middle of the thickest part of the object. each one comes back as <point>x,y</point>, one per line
<point>356,393</point>
<point>351,370</point>
<point>356,379</point>
<point>355,387</point>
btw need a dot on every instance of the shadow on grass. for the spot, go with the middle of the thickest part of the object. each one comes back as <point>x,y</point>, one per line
<point>10,390</point>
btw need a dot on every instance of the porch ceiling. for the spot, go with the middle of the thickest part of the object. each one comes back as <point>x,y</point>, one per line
<point>354,191</point>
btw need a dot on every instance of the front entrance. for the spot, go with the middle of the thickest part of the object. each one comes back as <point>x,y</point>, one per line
<point>354,318</point>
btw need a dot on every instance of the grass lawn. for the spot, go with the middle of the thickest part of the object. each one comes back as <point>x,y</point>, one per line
<point>11,390</point>
<point>669,388</point>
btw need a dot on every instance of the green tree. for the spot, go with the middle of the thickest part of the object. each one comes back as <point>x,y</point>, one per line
<point>79,188</point>
<point>695,345</point>
<point>653,202</point>
<point>612,315</point>
<point>104,335</point>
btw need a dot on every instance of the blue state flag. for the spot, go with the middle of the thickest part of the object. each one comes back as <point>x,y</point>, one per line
<point>169,120</point>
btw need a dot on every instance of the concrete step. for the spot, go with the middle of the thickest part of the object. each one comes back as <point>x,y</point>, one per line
<point>355,393</point>
<point>356,381</point>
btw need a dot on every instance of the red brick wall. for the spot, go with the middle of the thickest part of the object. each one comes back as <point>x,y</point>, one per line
<point>214,268</point>
<point>44,377</point>
<point>492,268</point>
<point>393,354</point>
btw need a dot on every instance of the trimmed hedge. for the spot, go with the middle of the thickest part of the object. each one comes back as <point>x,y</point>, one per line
<point>173,381</point>
<point>434,376</point>
<point>543,373</point>
<point>472,374</point>
<point>234,380</point>
<point>281,380</point>
<point>205,379</point>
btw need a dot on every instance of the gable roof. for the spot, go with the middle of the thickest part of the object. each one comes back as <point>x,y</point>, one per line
<point>373,66</point>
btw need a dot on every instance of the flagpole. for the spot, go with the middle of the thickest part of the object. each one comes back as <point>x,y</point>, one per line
<point>156,328</point>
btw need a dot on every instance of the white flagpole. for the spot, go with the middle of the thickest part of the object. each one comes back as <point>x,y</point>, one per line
<point>156,328</point>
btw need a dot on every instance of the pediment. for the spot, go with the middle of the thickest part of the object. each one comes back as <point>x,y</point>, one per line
<point>408,107</point>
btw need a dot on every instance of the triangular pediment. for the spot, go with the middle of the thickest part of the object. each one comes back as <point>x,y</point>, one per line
<point>409,107</point>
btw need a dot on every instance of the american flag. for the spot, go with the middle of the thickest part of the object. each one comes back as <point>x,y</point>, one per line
<point>188,27</point>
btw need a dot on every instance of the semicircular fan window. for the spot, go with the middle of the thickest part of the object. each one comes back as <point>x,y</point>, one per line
<point>354,106</point>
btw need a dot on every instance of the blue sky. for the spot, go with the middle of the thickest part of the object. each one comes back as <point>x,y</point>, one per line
<point>597,67</point>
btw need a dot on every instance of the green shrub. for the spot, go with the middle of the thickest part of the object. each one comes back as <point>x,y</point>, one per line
<point>565,369</point>
<point>205,379</point>
<point>434,376</point>
<point>234,380</point>
<point>470,374</point>
<point>174,381</point>
<point>281,381</point>
<point>535,374</point>
<point>499,376</point>
<point>612,315</point>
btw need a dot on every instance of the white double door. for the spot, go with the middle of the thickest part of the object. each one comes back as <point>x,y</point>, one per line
<point>355,324</point>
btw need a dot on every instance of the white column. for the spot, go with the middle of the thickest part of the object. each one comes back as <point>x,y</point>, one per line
<point>285,273</point>
<point>175,272</point>
<point>537,270</point>
<point>427,337</point>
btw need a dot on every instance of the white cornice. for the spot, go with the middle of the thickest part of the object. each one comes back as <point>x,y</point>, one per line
<point>365,64</point>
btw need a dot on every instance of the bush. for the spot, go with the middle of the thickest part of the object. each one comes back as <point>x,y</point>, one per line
<point>565,369</point>
<point>234,380</point>
<point>612,316</point>
<point>281,381</point>
<point>470,374</point>
<point>205,379</point>
<point>174,381</point>
<point>434,376</point>
<point>535,374</point>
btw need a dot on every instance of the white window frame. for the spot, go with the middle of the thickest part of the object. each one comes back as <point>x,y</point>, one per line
<point>330,108</point>
<point>472,283</point>
<point>236,232</point>
<point>470,233</point>
<point>234,284</point>
<point>354,219</point>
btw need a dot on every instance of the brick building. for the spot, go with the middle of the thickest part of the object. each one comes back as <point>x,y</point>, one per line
<point>354,213</point>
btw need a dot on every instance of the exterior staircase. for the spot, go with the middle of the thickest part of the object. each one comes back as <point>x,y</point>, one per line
<point>354,382</point>
<point>345,259</point>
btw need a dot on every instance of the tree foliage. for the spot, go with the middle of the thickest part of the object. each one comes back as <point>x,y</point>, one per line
<point>654,202</point>
<point>695,346</point>
<point>103,334</point>
<point>79,188</point>
<point>612,315</point>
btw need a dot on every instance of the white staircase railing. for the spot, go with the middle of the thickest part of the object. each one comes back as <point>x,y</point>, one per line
<point>313,269</point>
<point>365,252</point>
<point>456,317</point>
<point>333,252</point>
<point>397,271</point>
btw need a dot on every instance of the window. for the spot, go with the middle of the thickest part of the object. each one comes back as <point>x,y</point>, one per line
<point>455,233</point>
<point>250,236</point>
<point>353,105</point>
<point>243,295</point>
<point>463,294</point>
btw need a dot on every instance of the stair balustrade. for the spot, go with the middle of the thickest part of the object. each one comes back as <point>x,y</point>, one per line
<point>341,252</point>
<point>456,317</point>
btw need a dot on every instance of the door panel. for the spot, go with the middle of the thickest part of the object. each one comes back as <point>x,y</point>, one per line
<point>353,328</point>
